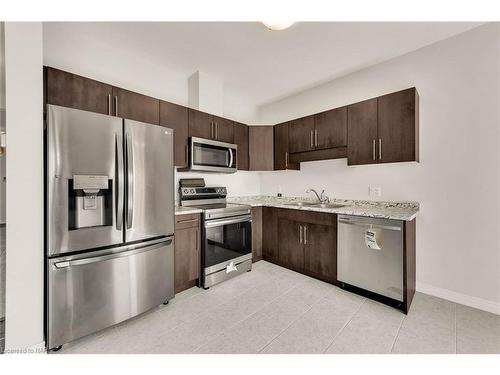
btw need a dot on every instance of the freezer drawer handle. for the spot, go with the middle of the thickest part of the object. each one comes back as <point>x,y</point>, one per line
<point>80,262</point>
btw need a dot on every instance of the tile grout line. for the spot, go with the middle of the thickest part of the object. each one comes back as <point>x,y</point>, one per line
<point>345,325</point>
<point>397,334</point>
<point>456,343</point>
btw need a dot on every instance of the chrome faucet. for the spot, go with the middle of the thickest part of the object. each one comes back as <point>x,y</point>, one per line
<point>322,198</point>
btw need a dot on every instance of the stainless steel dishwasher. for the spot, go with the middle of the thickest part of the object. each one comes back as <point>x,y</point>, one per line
<point>378,271</point>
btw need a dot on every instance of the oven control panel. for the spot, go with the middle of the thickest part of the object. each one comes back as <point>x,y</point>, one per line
<point>193,192</point>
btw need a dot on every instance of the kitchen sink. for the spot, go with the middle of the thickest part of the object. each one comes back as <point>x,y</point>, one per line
<point>328,205</point>
<point>300,204</point>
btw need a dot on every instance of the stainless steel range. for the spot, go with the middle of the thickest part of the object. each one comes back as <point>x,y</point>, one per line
<point>226,234</point>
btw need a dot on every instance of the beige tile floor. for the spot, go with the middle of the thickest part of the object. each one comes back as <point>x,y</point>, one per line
<point>275,310</point>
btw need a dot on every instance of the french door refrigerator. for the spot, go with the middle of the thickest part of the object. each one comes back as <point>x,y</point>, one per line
<point>109,221</point>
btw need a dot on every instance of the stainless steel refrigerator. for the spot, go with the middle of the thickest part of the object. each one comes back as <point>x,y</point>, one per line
<point>109,221</point>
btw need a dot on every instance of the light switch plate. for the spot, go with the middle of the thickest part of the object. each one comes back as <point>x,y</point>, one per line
<point>374,191</point>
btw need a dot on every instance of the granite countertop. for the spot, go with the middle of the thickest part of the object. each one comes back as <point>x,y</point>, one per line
<point>181,210</point>
<point>387,210</point>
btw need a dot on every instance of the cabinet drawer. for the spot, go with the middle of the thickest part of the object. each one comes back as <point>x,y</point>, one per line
<point>313,217</point>
<point>187,221</point>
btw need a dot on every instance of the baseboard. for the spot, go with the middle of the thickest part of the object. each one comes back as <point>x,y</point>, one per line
<point>464,299</point>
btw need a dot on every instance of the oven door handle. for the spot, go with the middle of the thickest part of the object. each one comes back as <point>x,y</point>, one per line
<point>218,223</point>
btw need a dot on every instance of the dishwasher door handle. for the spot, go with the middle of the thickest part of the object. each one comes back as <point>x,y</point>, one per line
<point>371,225</point>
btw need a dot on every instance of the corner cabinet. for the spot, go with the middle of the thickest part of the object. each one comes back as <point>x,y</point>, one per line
<point>281,150</point>
<point>175,117</point>
<point>241,140</point>
<point>384,129</point>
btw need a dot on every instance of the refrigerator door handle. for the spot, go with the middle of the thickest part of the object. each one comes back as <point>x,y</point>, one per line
<point>130,180</point>
<point>119,181</point>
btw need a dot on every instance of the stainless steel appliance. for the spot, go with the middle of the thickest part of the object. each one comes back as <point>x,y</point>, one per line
<point>211,156</point>
<point>109,221</point>
<point>378,271</point>
<point>227,233</point>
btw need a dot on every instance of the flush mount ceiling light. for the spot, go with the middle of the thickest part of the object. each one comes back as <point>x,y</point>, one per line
<point>277,25</point>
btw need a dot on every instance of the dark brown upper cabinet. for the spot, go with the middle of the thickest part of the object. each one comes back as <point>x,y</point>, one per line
<point>175,117</point>
<point>241,140</point>
<point>200,124</point>
<point>301,134</point>
<point>223,129</point>
<point>205,125</point>
<point>281,151</point>
<point>74,91</point>
<point>134,106</point>
<point>330,128</point>
<point>261,148</point>
<point>362,132</point>
<point>398,127</point>
<point>384,129</point>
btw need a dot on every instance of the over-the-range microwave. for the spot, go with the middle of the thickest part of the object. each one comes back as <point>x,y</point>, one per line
<point>206,155</point>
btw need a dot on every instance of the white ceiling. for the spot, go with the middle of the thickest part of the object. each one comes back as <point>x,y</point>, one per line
<point>266,65</point>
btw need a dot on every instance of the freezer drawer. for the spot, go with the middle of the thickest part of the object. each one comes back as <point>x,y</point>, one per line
<point>379,271</point>
<point>97,290</point>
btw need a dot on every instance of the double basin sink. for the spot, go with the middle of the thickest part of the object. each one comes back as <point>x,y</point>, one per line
<point>311,204</point>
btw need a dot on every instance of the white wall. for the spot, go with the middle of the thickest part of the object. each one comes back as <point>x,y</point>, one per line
<point>24,273</point>
<point>457,179</point>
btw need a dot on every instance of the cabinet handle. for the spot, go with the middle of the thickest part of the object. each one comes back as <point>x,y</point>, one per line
<point>300,233</point>
<point>373,148</point>
<point>312,139</point>
<point>315,138</point>
<point>109,104</point>
<point>286,159</point>
<point>211,129</point>
<point>380,149</point>
<point>187,221</point>
<point>116,105</point>
<point>216,130</point>
<point>187,154</point>
<point>305,234</point>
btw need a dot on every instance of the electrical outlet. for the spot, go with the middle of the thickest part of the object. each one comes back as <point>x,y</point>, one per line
<point>374,191</point>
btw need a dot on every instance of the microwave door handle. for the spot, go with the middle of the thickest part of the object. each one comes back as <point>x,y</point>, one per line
<point>230,158</point>
<point>130,180</point>
<point>119,187</point>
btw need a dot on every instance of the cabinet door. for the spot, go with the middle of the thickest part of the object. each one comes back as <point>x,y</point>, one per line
<point>200,124</point>
<point>290,246</point>
<point>73,91</point>
<point>362,132</point>
<point>256,233</point>
<point>281,152</point>
<point>301,134</point>
<point>187,251</point>
<point>134,106</point>
<point>331,128</point>
<point>270,234</point>
<point>224,129</point>
<point>241,139</point>
<point>261,148</point>
<point>321,251</point>
<point>175,117</point>
<point>398,127</point>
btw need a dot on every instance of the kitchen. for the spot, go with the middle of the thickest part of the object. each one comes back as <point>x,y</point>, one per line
<point>321,222</point>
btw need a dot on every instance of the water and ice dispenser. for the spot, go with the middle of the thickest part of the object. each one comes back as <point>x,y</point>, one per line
<point>90,201</point>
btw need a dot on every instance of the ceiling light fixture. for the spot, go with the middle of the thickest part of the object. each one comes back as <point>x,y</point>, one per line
<point>277,25</point>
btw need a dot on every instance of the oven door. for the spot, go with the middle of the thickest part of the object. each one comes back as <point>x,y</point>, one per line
<point>212,156</point>
<point>226,240</point>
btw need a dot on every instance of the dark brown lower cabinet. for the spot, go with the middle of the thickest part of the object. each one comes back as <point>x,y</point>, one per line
<point>305,241</point>
<point>290,244</point>
<point>320,251</point>
<point>256,233</point>
<point>270,234</point>
<point>187,251</point>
